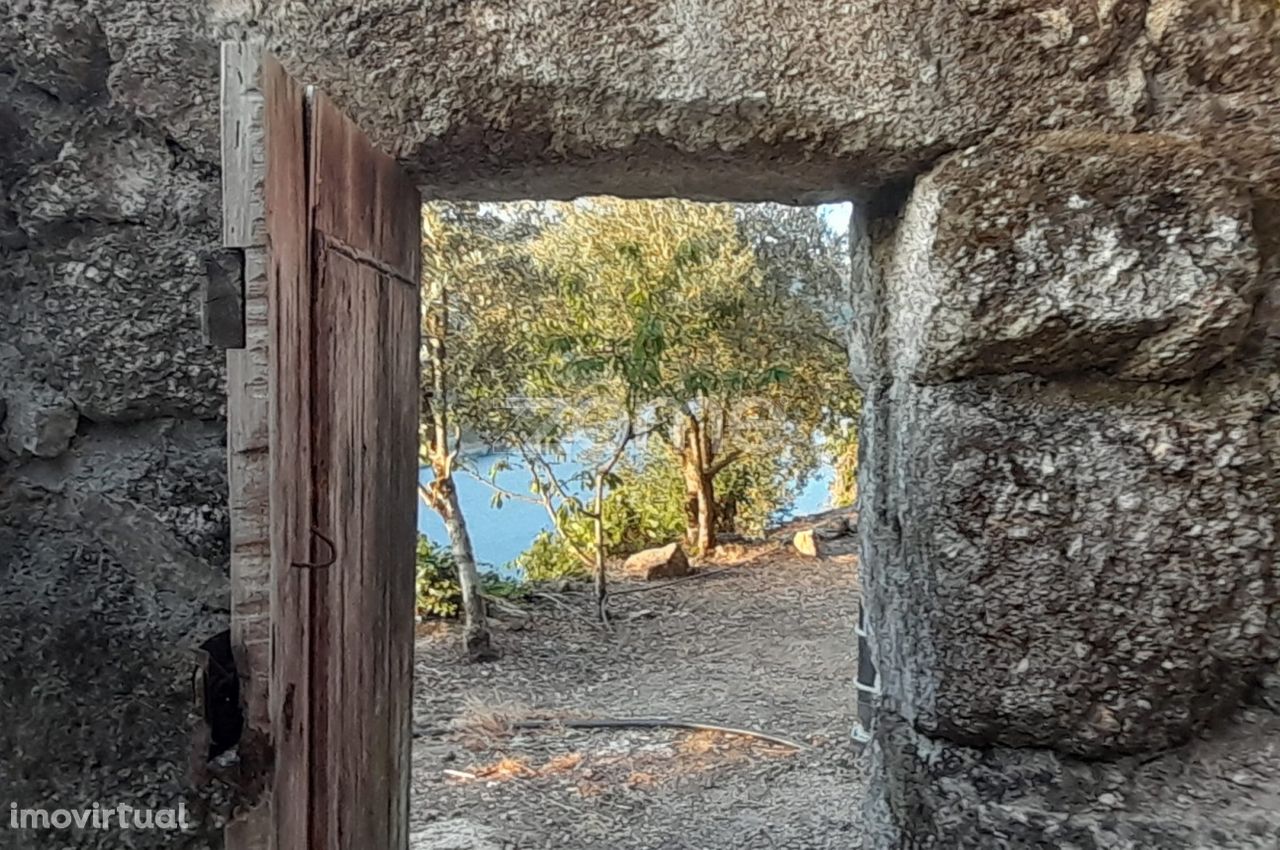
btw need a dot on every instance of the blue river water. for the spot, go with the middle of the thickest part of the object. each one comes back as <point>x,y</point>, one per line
<point>500,534</point>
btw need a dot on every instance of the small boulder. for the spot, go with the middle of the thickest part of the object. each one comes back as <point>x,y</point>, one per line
<point>808,543</point>
<point>663,562</point>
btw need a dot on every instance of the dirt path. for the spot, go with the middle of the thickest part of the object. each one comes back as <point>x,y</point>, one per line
<point>767,645</point>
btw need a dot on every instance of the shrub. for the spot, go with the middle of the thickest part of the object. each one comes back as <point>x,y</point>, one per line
<point>757,491</point>
<point>438,591</point>
<point>439,594</point>
<point>643,508</point>
<point>549,557</point>
<point>844,485</point>
<point>646,507</point>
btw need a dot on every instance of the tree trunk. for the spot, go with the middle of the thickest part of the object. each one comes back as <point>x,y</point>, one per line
<point>699,485</point>
<point>707,540</point>
<point>602,590</point>
<point>727,516</point>
<point>475,630</point>
<point>441,494</point>
<point>689,467</point>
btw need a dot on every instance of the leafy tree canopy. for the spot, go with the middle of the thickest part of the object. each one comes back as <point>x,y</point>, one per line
<point>711,329</point>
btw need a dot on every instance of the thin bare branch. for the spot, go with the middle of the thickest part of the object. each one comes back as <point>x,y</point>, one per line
<point>724,460</point>
<point>503,491</point>
<point>657,723</point>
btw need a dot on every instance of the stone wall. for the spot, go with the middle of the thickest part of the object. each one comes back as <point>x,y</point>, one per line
<point>113,526</point>
<point>1069,486</point>
<point>756,100</point>
<point>1067,325</point>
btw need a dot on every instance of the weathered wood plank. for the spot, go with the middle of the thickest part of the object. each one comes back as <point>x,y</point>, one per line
<point>249,477</point>
<point>338,327</point>
<point>236,319</point>
<point>243,198</point>
<point>243,151</point>
<point>368,331</point>
<point>365,378</point>
<point>373,231</point>
<point>289,286</point>
<point>401,418</point>
<point>248,376</point>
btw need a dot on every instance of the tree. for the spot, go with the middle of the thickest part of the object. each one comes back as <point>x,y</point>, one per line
<point>583,386</point>
<point>600,476</point>
<point>844,484</point>
<point>463,265</point>
<point>804,251</point>
<point>565,507</point>
<point>670,300</point>
<point>800,252</point>
<point>498,380</point>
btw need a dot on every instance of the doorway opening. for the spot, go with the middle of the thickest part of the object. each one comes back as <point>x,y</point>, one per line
<point>676,343</point>
<point>587,367</point>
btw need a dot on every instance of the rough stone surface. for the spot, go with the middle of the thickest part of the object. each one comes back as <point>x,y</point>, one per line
<point>1082,561</point>
<point>741,99</point>
<point>113,566</point>
<point>113,529</point>
<point>1130,254</point>
<point>1219,792</point>
<point>1102,559</point>
<point>102,292</point>
<point>35,420</point>
<point>749,100</point>
<point>661,562</point>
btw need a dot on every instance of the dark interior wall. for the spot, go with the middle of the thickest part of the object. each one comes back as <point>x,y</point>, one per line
<point>113,527</point>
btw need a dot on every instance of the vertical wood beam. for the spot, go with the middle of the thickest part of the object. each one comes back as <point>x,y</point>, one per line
<point>243,199</point>
<point>244,166</point>
<point>248,401</point>
<point>289,295</point>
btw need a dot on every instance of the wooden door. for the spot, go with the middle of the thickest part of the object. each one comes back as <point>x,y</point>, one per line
<point>342,241</point>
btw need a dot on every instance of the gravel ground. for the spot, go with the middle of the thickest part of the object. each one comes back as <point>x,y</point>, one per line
<point>767,644</point>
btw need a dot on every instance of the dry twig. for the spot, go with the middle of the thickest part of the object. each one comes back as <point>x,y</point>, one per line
<point>699,574</point>
<point>656,723</point>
